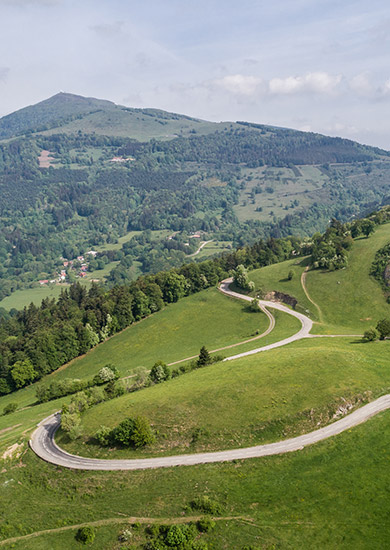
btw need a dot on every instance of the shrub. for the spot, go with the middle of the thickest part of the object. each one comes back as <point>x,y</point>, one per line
<point>10,408</point>
<point>175,537</point>
<point>207,505</point>
<point>159,372</point>
<point>290,275</point>
<point>142,432</point>
<point>123,433</point>
<point>103,435</point>
<point>205,525</point>
<point>69,420</point>
<point>125,535</point>
<point>133,431</point>
<point>383,327</point>
<point>106,374</point>
<point>86,535</point>
<point>370,335</point>
<point>204,357</point>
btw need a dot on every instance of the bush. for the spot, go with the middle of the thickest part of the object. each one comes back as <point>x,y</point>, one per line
<point>125,535</point>
<point>142,432</point>
<point>205,525</point>
<point>103,436</point>
<point>370,335</point>
<point>207,505</point>
<point>290,275</point>
<point>204,357</point>
<point>383,327</point>
<point>106,374</point>
<point>70,423</point>
<point>123,433</point>
<point>86,535</point>
<point>10,408</point>
<point>133,431</point>
<point>159,372</point>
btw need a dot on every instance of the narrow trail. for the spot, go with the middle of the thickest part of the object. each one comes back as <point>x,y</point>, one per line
<point>303,283</point>
<point>43,443</point>
<point>200,248</point>
<point>122,520</point>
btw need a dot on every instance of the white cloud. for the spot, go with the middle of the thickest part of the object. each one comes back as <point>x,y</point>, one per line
<point>317,82</point>
<point>238,84</point>
<point>361,84</point>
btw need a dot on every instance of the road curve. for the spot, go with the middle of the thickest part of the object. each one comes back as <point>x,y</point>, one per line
<point>43,444</point>
<point>306,323</point>
<point>42,441</point>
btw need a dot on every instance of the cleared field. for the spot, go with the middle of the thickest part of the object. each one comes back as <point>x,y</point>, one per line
<point>21,298</point>
<point>282,191</point>
<point>253,400</point>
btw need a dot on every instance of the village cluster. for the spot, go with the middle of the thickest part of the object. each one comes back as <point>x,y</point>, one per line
<point>79,267</point>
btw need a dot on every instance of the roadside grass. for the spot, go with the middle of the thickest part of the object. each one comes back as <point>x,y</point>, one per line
<point>275,277</point>
<point>330,495</point>
<point>257,399</point>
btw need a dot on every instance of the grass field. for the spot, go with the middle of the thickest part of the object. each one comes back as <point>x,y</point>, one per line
<point>256,399</point>
<point>126,238</point>
<point>331,495</point>
<point>21,298</point>
<point>291,191</point>
<point>350,300</point>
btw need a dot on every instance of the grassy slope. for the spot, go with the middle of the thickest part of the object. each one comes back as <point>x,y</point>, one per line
<point>172,334</point>
<point>331,495</point>
<point>350,300</point>
<point>261,398</point>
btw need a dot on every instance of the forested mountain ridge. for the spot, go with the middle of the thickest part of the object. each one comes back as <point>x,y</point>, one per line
<point>87,172</point>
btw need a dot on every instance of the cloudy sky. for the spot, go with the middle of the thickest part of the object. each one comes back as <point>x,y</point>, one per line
<point>316,65</point>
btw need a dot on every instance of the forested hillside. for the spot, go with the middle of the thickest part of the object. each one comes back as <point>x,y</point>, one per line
<point>68,189</point>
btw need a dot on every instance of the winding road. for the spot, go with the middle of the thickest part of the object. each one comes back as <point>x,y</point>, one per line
<point>42,441</point>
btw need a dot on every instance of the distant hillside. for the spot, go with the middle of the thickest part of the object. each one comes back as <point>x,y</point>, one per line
<point>69,114</point>
<point>80,173</point>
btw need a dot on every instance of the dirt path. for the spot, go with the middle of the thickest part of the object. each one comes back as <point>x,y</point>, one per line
<point>200,248</point>
<point>303,283</point>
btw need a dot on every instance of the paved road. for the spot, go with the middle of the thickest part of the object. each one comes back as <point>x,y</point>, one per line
<point>306,323</point>
<point>43,444</point>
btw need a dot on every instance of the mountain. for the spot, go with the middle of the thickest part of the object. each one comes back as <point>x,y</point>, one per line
<point>70,113</point>
<point>137,185</point>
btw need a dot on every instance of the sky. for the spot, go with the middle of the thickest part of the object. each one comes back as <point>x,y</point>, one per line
<point>313,65</point>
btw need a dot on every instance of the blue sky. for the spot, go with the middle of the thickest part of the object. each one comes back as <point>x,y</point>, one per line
<point>314,65</point>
